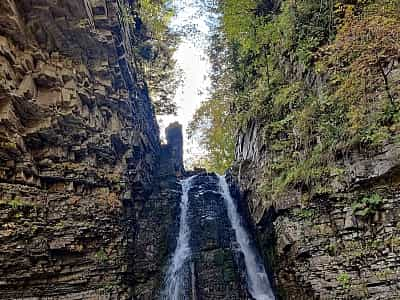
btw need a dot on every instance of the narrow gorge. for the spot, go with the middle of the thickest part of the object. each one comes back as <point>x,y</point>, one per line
<point>303,118</point>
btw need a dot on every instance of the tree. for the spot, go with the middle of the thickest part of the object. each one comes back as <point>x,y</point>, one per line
<point>211,122</point>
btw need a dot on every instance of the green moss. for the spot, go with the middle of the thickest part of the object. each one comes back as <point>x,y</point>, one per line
<point>101,256</point>
<point>282,293</point>
<point>344,279</point>
<point>18,215</point>
<point>304,213</point>
<point>393,243</point>
<point>332,249</point>
<point>384,275</point>
<point>367,206</point>
<point>224,259</point>
<point>219,258</point>
<point>109,287</point>
<point>17,203</point>
<point>9,145</point>
<point>33,228</point>
<point>229,274</point>
<point>60,225</point>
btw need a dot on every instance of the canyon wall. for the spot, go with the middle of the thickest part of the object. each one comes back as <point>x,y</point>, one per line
<point>343,243</point>
<point>317,156</point>
<point>79,155</point>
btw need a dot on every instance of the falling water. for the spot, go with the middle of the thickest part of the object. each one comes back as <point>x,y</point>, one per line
<point>175,277</point>
<point>257,279</point>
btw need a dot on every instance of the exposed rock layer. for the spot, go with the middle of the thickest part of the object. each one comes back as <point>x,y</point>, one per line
<point>79,156</point>
<point>325,248</point>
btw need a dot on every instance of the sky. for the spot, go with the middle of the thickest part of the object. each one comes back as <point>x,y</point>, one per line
<point>191,57</point>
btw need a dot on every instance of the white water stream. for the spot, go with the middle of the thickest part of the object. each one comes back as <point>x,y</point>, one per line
<point>175,277</point>
<point>257,278</point>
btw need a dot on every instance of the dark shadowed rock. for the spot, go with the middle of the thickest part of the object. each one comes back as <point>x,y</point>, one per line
<point>84,211</point>
<point>174,149</point>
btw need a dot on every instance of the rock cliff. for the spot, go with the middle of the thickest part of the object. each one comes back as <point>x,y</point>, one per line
<point>342,244</point>
<point>79,155</point>
<point>317,153</point>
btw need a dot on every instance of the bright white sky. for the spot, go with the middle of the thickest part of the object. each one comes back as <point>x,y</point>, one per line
<point>192,59</point>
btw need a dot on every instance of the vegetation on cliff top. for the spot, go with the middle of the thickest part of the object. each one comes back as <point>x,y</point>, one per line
<point>322,77</point>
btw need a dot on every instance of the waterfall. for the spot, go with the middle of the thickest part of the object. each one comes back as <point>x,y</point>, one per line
<point>175,277</point>
<point>257,279</point>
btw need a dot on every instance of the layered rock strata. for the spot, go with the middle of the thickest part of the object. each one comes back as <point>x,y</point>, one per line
<point>341,245</point>
<point>79,151</point>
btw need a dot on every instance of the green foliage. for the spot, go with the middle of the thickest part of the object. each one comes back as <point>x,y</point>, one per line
<point>344,280</point>
<point>158,65</point>
<point>272,55</point>
<point>101,256</point>
<point>239,22</point>
<point>212,123</point>
<point>215,135</point>
<point>360,64</point>
<point>156,15</point>
<point>17,203</point>
<point>367,206</point>
<point>156,53</point>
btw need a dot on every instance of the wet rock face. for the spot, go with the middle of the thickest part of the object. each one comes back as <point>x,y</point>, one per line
<point>327,248</point>
<point>79,153</point>
<point>212,239</point>
<point>216,268</point>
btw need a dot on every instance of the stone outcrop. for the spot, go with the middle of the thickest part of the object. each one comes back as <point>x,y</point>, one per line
<point>79,154</point>
<point>173,150</point>
<point>338,245</point>
<point>89,199</point>
<point>156,227</point>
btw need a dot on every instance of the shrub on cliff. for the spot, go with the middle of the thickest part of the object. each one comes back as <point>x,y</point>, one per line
<point>321,77</point>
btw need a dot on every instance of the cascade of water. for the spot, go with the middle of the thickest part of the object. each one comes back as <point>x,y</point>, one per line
<point>175,277</point>
<point>257,279</point>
